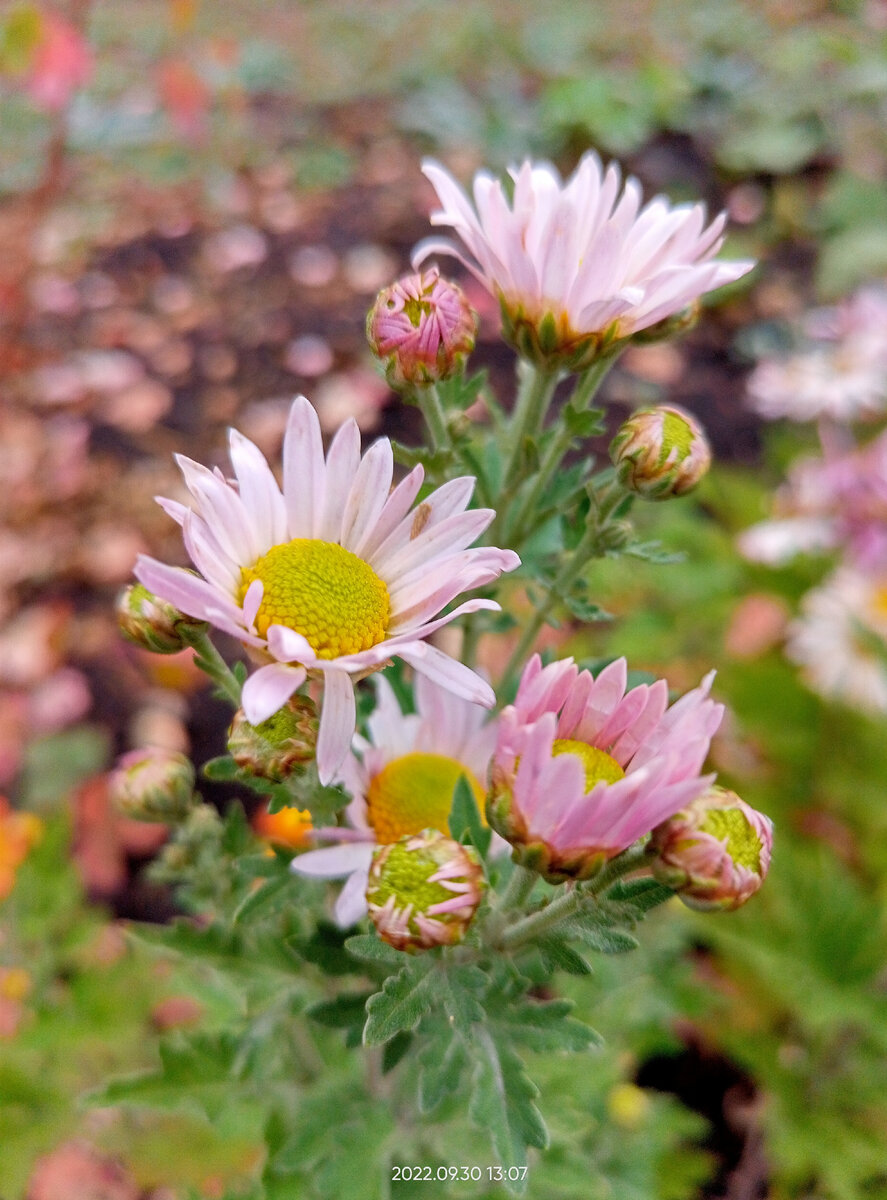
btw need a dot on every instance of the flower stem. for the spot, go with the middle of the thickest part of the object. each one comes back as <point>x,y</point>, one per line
<point>432,410</point>
<point>572,901</point>
<point>207,657</point>
<point>533,398</point>
<point>518,888</point>
<point>562,437</point>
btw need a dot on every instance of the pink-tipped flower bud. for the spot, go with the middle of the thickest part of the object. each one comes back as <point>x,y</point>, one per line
<point>151,784</point>
<point>154,624</point>
<point>715,853</point>
<point>423,890</point>
<point>421,329</point>
<point>276,747</point>
<point>660,452</point>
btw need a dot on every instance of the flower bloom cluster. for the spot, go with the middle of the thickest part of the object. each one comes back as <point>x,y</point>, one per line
<point>578,264</point>
<point>331,576</point>
<point>584,767</point>
<point>841,374</point>
<point>402,781</point>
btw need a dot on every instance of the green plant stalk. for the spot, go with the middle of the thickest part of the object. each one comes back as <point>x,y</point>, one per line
<point>586,389</point>
<point>529,928</point>
<point>533,398</point>
<point>518,889</point>
<point>431,408</point>
<point>209,660</point>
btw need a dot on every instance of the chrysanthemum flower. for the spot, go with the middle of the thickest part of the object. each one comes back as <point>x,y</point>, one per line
<point>582,768</point>
<point>402,782</point>
<point>580,263</point>
<point>840,639</point>
<point>331,577</point>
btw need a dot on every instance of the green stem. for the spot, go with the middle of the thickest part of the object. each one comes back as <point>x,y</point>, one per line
<point>565,906</point>
<point>207,657</point>
<point>432,410</point>
<point>518,889</point>
<point>533,398</point>
<point>586,389</point>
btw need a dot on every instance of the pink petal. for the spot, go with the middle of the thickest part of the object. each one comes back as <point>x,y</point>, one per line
<point>268,689</point>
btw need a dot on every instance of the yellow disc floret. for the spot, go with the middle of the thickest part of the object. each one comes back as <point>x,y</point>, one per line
<point>599,766</point>
<point>323,591</point>
<point>415,792</point>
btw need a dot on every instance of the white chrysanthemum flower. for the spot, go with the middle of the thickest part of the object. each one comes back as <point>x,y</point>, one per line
<point>583,257</point>
<point>402,782</point>
<point>331,577</point>
<point>840,639</point>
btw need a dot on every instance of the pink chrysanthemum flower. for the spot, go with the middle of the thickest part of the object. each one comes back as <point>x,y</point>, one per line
<point>402,782</point>
<point>573,264</point>
<point>331,577</point>
<point>582,768</point>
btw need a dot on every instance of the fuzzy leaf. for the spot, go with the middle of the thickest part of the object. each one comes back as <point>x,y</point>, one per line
<point>503,1101</point>
<point>345,1012</point>
<point>404,999</point>
<point>547,1026</point>
<point>369,948</point>
<point>273,895</point>
<point>558,956</point>
<point>598,936</point>
<point>442,1062</point>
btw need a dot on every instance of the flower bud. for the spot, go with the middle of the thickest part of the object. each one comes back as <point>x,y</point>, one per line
<point>153,623</point>
<point>715,853</point>
<point>276,747</point>
<point>660,452</point>
<point>151,784</point>
<point>421,329</point>
<point>423,890</point>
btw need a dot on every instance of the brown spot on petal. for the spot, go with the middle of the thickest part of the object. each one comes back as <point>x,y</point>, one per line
<point>420,520</point>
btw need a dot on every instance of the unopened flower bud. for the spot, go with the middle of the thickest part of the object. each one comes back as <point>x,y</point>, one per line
<point>422,329</point>
<point>673,326</point>
<point>276,747</point>
<point>715,853</point>
<point>153,623</point>
<point>423,890</point>
<point>151,784</point>
<point>660,452</point>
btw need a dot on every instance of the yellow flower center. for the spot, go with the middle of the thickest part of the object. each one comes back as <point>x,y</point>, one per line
<point>415,792</point>
<point>323,591</point>
<point>599,766</point>
<point>743,844</point>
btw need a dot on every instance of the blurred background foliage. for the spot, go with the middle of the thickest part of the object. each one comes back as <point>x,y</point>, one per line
<point>741,1052</point>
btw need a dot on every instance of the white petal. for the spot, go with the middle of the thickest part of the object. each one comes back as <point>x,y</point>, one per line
<point>332,862</point>
<point>304,471</point>
<point>268,689</point>
<point>450,674</point>
<point>338,718</point>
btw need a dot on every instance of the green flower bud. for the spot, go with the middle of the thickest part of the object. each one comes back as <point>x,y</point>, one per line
<point>423,890</point>
<point>715,853</point>
<point>660,452</point>
<point>276,747</point>
<point>151,784</point>
<point>152,623</point>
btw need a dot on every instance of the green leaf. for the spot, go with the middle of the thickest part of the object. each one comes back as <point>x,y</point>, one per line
<point>442,1062</point>
<point>459,986</point>
<point>547,1026</point>
<point>404,999</point>
<point>369,948</point>
<point>326,947</point>
<point>224,769</point>
<point>557,955</point>
<point>393,1051</point>
<point>638,895</point>
<point>465,820</point>
<point>272,896</point>
<point>503,1101</point>
<point>598,936</point>
<point>583,422</point>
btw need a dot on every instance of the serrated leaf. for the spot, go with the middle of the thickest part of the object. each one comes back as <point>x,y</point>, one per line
<point>393,1051</point>
<point>547,1026</point>
<point>404,999</point>
<point>272,896</point>
<point>503,1102</point>
<point>442,1062</point>
<point>224,769</point>
<point>582,422</point>
<point>369,948</point>
<point>585,610</point>
<point>640,895</point>
<point>557,955</point>
<point>598,936</point>
<point>466,825</point>
<point>459,985</point>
